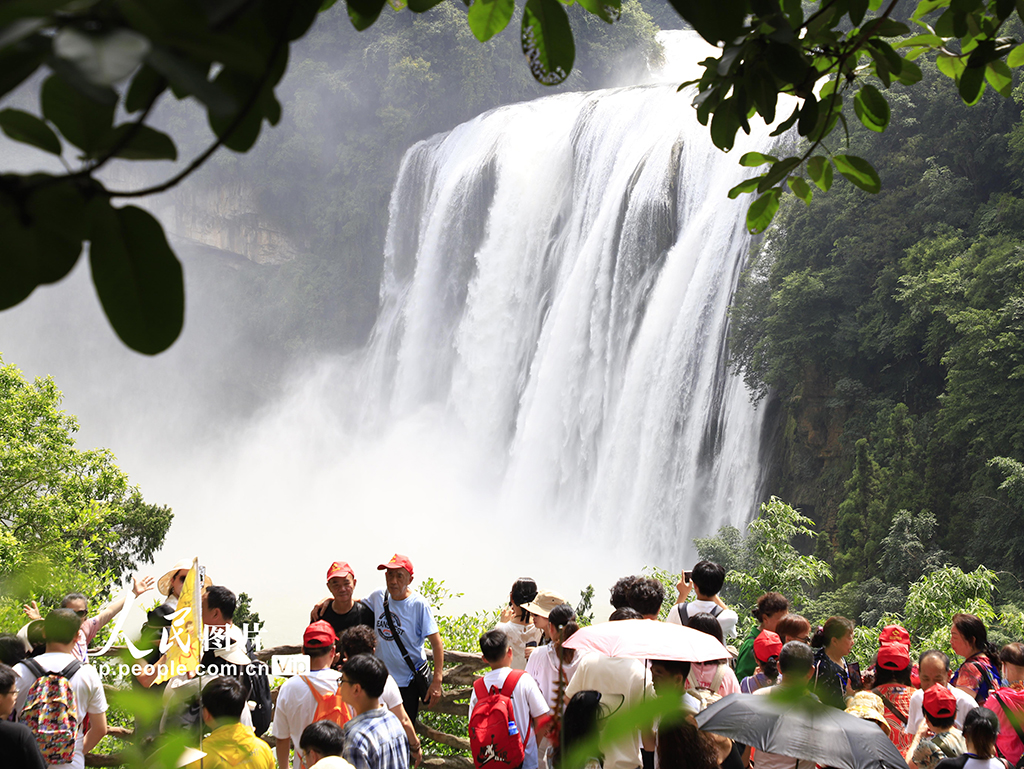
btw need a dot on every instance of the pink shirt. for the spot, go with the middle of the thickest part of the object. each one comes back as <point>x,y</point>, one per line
<point>702,675</point>
<point>86,633</point>
<point>1007,742</point>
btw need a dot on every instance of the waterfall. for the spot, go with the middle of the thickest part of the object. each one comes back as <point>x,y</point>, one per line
<point>557,281</point>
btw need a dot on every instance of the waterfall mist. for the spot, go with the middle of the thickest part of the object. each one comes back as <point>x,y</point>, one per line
<point>544,392</point>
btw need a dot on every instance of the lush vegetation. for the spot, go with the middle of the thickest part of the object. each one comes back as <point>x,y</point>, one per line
<point>69,520</point>
<point>889,329</point>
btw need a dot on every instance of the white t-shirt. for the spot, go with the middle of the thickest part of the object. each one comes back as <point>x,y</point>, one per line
<point>518,637</point>
<point>391,697</point>
<point>527,703</point>
<point>543,668</point>
<point>296,705</point>
<point>727,619</point>
<point>965,703</point>
<point>623,683</point>
<point>88,689</point>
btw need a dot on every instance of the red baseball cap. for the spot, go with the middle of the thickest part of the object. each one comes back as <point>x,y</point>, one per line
<point>939,702</point>
<point>339,569</point>
<point>767,644</point>
<point>894,657</point>
<point>894,634</point>
<point>319,633</point>
<point>397,562</point>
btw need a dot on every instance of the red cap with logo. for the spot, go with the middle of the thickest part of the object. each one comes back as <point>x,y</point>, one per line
<point>894,657</point>
<point>939,702</point>
<point>340,569</point>
<point>397,562</point>
<point>319,633</point>
<point>767,644</point>
<point>894,634</point>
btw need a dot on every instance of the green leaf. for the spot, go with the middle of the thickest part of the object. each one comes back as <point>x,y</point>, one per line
<point>857,9</point>
<point>58,221</point>
<point>929,40</point>
<point>762,211</point>
<point>718,22</point>
<point>858,171</point>
<point>724,125</point>
<point>1016,57</point>
<point>362,13</point>
<point>972,84</point>
<point>190,78</point>
<point>144,143</point>
<point>748,185</point>
<point>19,61</point>
<point>787,63</point>
<point>808,116</point>
<point>777,173</point>
<point>999,77</point>
<point>800,188</point>
<point>820,171</point>
<point>422,6</point>
<point>889,28</point>
<point>103,59</point>
<point>910,73</point>
<point>872,108</point>
<point>145,87</point>
<point>950,66</point>
<point>27,9</point>
<point>17,257</point>
<point>489,17</point>
<point>606,11</point>
<point>754,159</point>
<point>242,136</point>
<point>137,276</point>
<point>786,124</point>
<point>27,128</point>
<point>547,42</point>
<point>83,122</point>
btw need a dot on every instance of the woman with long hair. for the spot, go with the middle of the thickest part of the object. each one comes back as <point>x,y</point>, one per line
<point>553,662</point>
<point>767,647</point>
<point>1009,699</point>
<point>831,680</point>
<point>978,675</point>
<point>892,684</point>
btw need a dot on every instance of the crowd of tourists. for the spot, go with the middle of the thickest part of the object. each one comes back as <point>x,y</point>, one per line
<point>542,700</point>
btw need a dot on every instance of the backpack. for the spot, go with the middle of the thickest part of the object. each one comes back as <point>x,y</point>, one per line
<point>494,738</point>
<point>50,711</point>
<point>684,613</point>
<point>990,678</point>
<point>706,695</point>
<point>329,707</point>
<point>1015,723</point>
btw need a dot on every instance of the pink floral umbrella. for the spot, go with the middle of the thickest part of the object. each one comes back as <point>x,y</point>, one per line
<point>647,639</point>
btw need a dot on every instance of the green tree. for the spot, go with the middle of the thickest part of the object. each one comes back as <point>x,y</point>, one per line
<point>69,520</point>
<point>767,558</point>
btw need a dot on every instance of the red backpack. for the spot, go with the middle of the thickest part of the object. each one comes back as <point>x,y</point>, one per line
<point>494,738</point>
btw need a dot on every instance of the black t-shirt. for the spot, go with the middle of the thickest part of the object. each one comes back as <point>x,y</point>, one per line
<point>18,747</point>
<point>359,614</point>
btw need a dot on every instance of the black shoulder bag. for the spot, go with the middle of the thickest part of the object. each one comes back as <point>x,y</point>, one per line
<point>420,679</point>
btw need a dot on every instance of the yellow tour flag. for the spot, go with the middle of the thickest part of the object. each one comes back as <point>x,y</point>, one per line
<point>182,643</point>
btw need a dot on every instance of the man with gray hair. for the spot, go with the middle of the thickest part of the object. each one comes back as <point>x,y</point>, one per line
<point>933,668</point>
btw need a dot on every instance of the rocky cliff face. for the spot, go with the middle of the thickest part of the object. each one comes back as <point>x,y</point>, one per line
<point>809,469</point>
<point>226,216</point>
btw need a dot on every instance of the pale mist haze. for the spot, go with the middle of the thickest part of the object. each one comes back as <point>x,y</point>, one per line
<point>277,463</point>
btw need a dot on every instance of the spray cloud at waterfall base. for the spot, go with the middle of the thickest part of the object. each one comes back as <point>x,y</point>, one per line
<point>545,392</point>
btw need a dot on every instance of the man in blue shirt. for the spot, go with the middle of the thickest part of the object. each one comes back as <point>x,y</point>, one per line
<point>374,738</point>
<point>414,624</point>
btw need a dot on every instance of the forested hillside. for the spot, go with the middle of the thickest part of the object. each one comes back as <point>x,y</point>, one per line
<point>889,331</point>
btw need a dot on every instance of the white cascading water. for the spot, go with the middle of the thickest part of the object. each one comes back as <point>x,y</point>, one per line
<point>557,281</point>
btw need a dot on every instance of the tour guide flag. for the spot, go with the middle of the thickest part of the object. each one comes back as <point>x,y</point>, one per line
<point>182,643</point>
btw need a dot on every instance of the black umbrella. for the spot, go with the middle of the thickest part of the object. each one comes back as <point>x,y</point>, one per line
<point>801,727</point>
